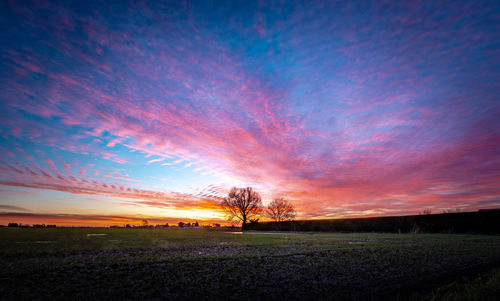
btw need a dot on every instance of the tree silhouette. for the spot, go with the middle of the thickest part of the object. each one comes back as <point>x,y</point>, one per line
<point>242,204</point>
<point>280,210</point>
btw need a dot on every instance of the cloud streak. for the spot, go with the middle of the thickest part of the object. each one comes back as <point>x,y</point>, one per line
<point>89,219</point>
<point>13,208</point>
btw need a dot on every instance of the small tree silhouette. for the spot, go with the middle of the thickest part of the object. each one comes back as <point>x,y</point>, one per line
<point>427,211</point>
<point>280,210</point>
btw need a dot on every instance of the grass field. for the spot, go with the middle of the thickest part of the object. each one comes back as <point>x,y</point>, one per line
<point>98,263</point>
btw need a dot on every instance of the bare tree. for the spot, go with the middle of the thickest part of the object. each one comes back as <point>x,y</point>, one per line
<point>426,211</point>
<point>280,210</point>
<point>242,204</point>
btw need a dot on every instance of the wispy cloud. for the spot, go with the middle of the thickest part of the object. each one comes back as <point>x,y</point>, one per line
<point>11,207</point>
<point>156,160</point>
<point>70,184</point>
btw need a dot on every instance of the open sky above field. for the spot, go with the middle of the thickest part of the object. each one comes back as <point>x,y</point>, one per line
<point>111,113</point>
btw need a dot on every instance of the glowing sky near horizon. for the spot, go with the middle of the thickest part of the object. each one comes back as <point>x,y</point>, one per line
<point>112,113</point>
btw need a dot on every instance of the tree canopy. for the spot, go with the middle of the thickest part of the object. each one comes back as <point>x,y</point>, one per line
<point>242,204</point>
<point>281,209</point>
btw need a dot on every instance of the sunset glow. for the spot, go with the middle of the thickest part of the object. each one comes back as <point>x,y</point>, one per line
<point>112,114</point>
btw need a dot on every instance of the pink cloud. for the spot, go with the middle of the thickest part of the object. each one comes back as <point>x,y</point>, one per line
<point>50,163</point>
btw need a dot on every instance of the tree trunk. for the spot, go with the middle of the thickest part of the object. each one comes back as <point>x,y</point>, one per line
<point>243,227</point>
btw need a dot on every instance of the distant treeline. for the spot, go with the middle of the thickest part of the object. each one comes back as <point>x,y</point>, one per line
<point>486,222</point>
<point>19,225</point>
<point>164,226</point>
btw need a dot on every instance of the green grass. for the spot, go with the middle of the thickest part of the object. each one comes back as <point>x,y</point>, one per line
<point>203,264</point>
<point>485,286</point>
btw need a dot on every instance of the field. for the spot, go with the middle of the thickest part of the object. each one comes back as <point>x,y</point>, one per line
<point>98,263</point>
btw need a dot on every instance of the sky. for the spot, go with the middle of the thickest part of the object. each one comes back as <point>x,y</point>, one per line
<point>112,113</point>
